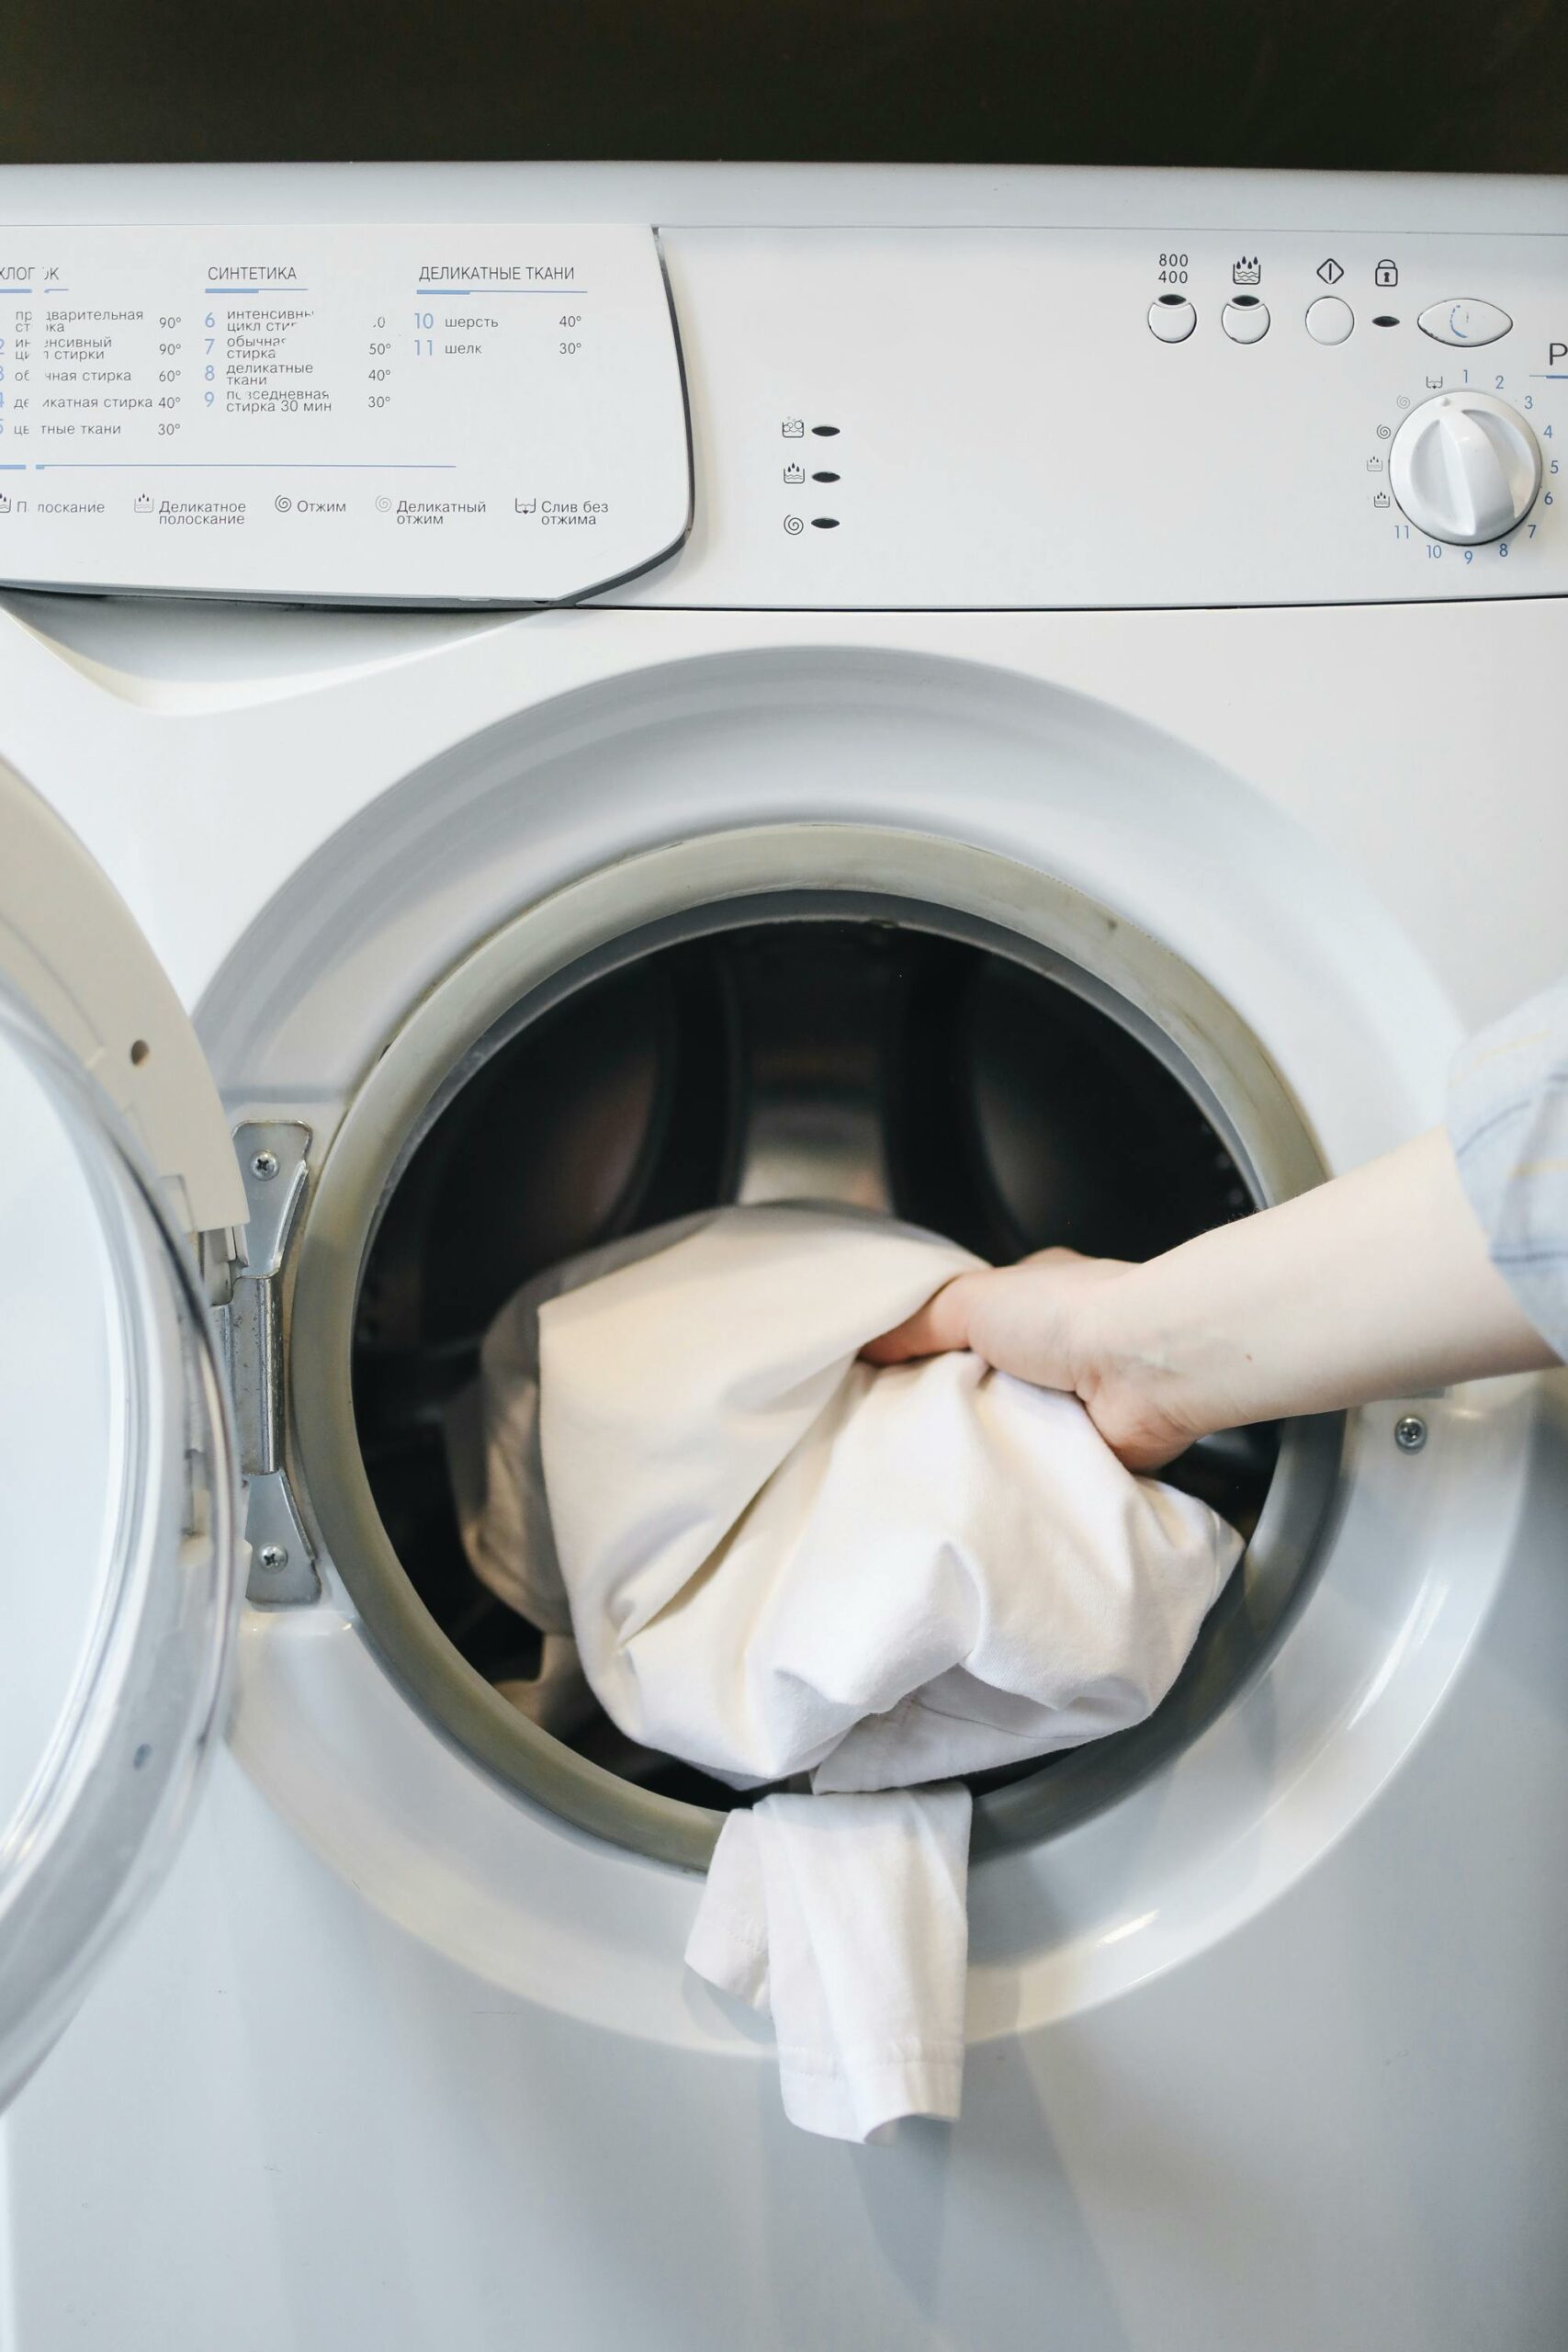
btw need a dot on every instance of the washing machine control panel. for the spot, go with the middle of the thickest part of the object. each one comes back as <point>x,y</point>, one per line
<point>1068,417</point>
<point>492,413</point>
<point>1085,417</point>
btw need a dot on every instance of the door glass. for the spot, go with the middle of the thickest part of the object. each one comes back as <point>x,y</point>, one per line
<point>118,1567</point>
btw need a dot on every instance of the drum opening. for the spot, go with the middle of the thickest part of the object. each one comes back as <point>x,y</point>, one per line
<point>900,1060</point>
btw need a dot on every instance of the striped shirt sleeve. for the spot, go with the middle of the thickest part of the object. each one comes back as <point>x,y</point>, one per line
<point>1508,1120</point>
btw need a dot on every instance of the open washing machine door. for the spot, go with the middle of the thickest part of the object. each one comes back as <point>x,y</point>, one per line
<point>122,1570</point>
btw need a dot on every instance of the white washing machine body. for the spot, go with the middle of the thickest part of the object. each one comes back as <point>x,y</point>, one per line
<point>1119,646</point>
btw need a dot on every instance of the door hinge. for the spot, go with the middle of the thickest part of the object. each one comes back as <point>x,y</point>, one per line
<point>275,1164</point>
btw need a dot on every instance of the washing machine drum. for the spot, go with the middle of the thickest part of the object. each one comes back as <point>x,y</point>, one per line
<point>863,1061</point>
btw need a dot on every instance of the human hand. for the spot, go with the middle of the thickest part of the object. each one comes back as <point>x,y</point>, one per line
<point>1045,1320</point>
<point>1377,1285</point>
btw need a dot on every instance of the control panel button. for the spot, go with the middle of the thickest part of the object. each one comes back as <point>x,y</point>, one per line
<point>1463,321</point>
<point>1328,320</point>
<point>1172,318</point>
<point>1465,467</point>
<point>1246,319</point>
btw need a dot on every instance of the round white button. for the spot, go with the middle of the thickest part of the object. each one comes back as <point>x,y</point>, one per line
<point>1329,319</point>
<point>1172,318</point>
<point>1246,319</point>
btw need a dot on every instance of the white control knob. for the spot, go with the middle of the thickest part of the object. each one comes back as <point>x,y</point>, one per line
<point>1465,467</point>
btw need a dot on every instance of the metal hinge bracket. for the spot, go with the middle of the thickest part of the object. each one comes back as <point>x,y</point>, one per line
<point>275,1164</point>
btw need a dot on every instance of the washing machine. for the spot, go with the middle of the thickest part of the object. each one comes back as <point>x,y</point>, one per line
<point>538,700</point>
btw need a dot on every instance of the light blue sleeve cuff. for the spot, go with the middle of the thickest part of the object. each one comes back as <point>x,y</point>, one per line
<point>1508,1120</point>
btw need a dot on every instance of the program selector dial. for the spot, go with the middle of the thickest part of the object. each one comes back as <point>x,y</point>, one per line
<point>1465,467</point>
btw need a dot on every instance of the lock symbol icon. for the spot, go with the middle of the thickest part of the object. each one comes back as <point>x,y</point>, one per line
<point>1385,274</point>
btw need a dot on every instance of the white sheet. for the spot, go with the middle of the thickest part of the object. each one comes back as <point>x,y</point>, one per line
<point>777,1560</point>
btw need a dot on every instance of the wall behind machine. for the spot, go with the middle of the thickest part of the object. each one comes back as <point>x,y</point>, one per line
<point>1350,85</point>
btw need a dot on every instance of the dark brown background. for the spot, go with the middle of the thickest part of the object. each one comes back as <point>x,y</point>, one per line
<point>1382,84</point>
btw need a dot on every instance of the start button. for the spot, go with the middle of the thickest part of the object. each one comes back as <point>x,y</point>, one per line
<point>1328,320</point>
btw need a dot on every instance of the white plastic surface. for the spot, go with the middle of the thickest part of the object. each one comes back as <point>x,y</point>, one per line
<point>71,950</point>
<point>121,1571</point>
<point>61,1355</point>
<point>486,414</point>
<point>1011,429</point>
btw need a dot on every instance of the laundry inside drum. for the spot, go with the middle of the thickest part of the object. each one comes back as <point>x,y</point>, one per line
<point>867,1061</point>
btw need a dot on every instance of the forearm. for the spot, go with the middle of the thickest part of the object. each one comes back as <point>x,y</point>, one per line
<point>1377,1285</point>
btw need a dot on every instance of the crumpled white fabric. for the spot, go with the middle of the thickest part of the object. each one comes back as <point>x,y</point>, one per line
<point>846,1918</point>
<point>777,1560</point>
